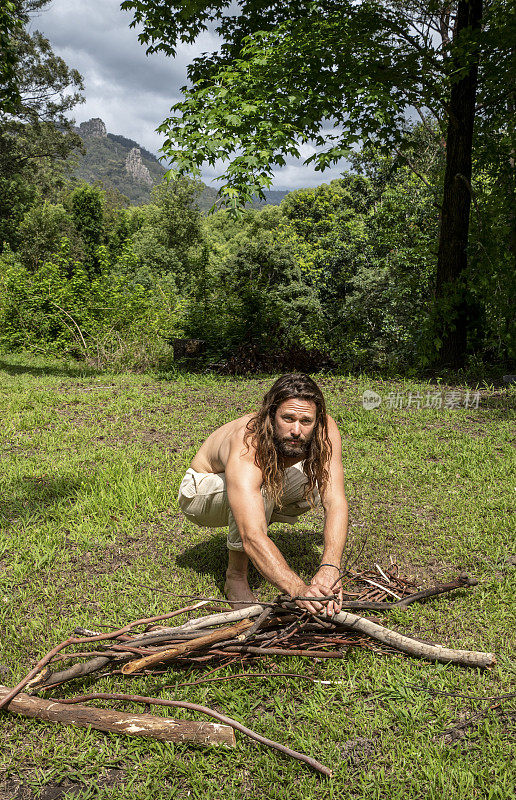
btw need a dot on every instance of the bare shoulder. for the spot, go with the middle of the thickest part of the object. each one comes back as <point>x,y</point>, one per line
<point>213,454</point>
<point>241,468</point>
<point>239,444</point>
<point>333,431</point>
<point>242,421</point>
<point>239,427</point>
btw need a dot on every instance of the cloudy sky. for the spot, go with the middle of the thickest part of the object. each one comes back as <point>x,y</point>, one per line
<point>130,91</point>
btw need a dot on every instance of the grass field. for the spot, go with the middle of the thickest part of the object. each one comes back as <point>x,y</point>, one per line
<point>91,534</point>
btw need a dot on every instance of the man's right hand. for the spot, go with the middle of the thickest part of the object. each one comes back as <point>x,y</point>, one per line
<point>305,590</point>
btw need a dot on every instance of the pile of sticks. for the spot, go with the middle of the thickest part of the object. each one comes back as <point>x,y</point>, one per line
<point>378,585</point>
<point>278,628</point>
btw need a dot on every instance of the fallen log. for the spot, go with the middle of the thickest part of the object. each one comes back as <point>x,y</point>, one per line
<point>131,724</point>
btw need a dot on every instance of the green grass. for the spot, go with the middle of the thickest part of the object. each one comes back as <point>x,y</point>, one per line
<point>91,534</point>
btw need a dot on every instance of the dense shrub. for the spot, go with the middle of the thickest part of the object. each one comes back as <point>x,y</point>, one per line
<point>87,204</point>
<point>59,309</point>
<point>40,232</point>
<point>257,296</point>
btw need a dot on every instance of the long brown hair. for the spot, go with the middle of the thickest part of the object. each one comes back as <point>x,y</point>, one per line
<point>260,430</point>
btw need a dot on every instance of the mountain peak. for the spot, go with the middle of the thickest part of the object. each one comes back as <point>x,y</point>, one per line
<point>93,127</point>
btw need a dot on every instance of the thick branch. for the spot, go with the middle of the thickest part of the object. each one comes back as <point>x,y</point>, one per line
<point>460,583</point>
<point>412,647</point>
<point>186,647</point>
<point>166,730</point>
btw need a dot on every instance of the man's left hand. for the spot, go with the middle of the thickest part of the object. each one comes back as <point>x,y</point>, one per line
<point>325,579</point>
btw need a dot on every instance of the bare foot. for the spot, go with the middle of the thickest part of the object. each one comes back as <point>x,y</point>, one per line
<point>237,588</point>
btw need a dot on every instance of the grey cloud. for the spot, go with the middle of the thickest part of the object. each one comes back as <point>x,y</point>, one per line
<point>132,92</point>
<point>98,31</point>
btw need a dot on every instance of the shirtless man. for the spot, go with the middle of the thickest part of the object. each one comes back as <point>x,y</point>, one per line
<point>271,467</point>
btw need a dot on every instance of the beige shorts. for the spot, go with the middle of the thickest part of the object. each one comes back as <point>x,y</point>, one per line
<point>203,499</point>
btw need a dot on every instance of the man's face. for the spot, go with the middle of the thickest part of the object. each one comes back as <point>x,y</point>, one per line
<point>294,425</point>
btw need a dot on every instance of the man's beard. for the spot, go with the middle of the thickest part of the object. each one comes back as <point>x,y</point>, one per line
<point>292,448</point>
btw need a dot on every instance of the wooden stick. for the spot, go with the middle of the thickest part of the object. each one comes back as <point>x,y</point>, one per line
<point>247,675</point>
<point>371,605</point>
<point>416,597</point>
<point>227,616</point>
<point>166,730</point>
<point>46,680</point>
<point>278,651</point>
<point>383,588</point>
<point>264,616</point>
<point>133,698</point>
<point>82,640</point>
<point>412,647</point>
<point>187,647</point>
<point>197,624</point>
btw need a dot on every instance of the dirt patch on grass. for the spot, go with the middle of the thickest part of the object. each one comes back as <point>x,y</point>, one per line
<point>166,438</point>
<point>148,542</point>
<point>358,751</point>
<point>20,789</point>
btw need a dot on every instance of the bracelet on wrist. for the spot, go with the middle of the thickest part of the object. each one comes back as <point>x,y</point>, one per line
<point>329,565</point>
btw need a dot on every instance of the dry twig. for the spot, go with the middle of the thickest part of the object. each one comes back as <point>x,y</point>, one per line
<point>134,698</point>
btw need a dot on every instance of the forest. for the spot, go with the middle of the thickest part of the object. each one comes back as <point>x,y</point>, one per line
<point>384,268</point>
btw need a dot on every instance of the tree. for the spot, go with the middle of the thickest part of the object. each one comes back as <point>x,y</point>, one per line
<point>257,297</point>
<point>453,241</point>
<point>333,73</point>
<point>35,133</point>
<point>41,231</point>
<point>166,234</point>
<point>285,73</point>
<point>10,27</point>
<point>87,204</point>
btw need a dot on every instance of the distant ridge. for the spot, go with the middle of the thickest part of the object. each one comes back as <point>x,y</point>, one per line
<point>123,164</point>
<point>274,197</point>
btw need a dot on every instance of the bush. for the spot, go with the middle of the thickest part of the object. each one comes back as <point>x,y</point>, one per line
<point>60,310</point>
<point>40,232</point>
<point>88,215</point>
<point>257,296</point>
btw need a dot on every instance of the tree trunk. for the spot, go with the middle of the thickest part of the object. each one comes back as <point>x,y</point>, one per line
<point>454,313</point>
<point>511,107</point>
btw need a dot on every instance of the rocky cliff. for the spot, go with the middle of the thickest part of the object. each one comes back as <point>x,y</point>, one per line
<point>93,127</point>
<point>135,167</point>
<point>117,162</point>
